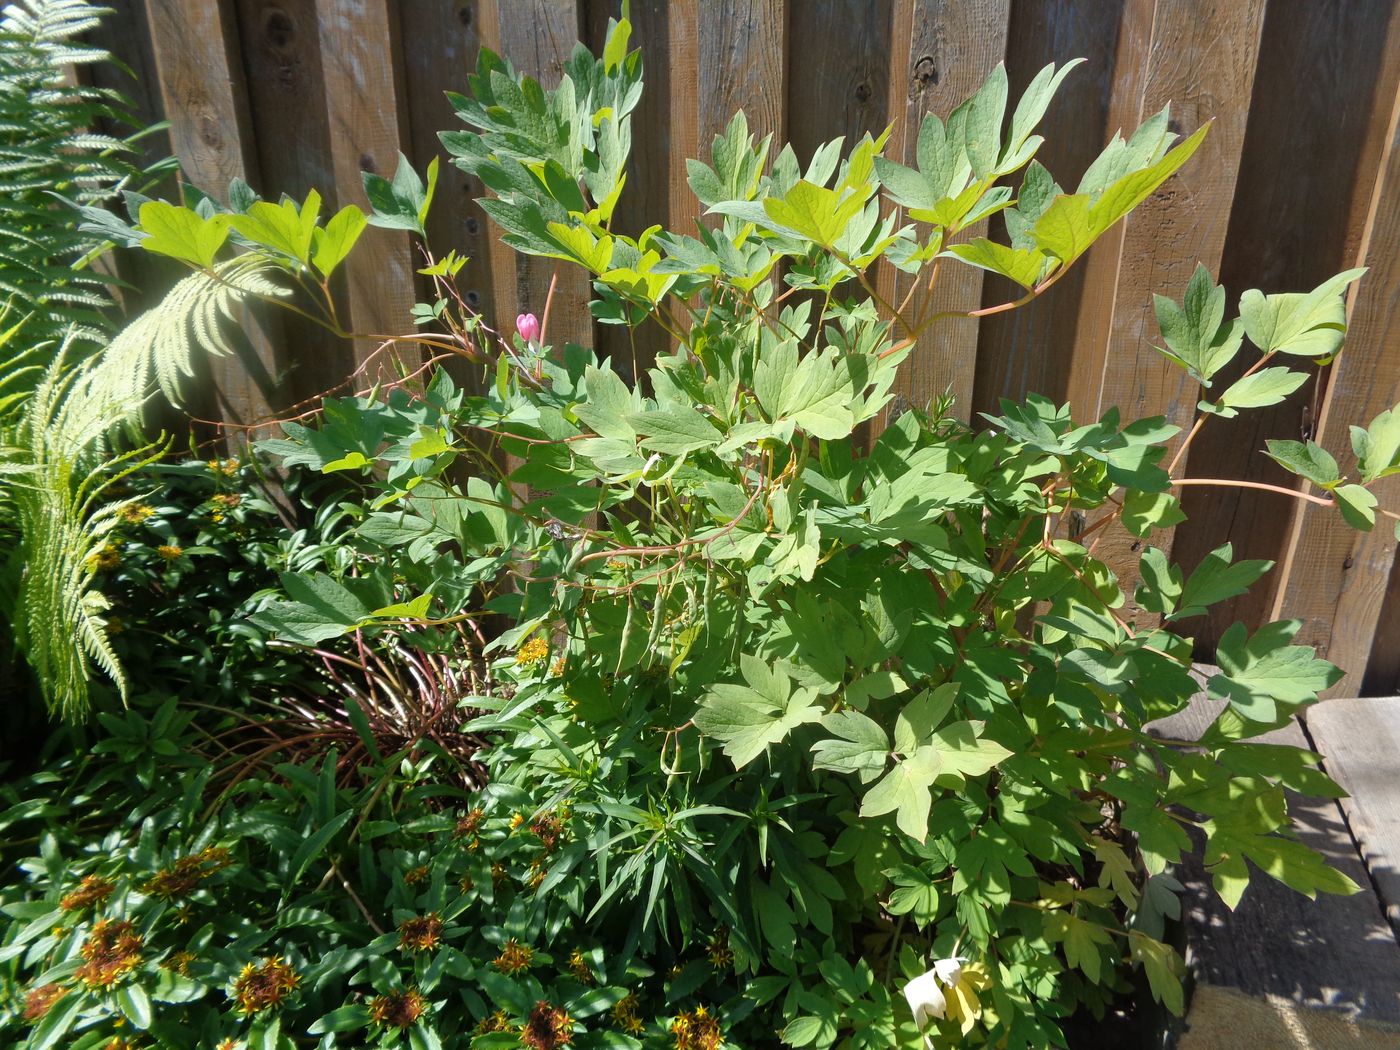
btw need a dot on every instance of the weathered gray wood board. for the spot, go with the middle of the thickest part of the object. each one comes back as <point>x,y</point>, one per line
<point>1360,744</point>
<point>1332,953</point>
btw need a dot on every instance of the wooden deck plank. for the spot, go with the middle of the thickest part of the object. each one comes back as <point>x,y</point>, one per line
<point>1332,953</point>
<point>1360,744</point>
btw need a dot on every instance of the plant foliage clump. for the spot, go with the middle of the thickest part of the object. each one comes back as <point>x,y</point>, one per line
<point>849,737</point>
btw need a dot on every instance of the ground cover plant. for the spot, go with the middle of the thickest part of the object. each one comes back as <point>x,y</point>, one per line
<point>794,735</point>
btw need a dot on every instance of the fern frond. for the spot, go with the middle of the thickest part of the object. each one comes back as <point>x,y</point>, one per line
<point>157,350</point>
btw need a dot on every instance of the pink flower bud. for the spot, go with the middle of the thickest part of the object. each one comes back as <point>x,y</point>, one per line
<point>528,325</point>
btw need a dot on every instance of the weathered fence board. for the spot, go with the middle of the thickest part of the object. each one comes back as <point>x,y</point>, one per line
<point>941,54</point>
<point>1337,578</point>
<point>1313,117</point>
<point>302,93</point>
<point>202,91</point>
<point>1201,62</point>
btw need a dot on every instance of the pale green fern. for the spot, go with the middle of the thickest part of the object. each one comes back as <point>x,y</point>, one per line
<point>61,400</point>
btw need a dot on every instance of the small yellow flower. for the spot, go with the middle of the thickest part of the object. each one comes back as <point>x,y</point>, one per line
<point>179,963</point>
<point>497,1022</point>
<point>624,1014</point>
<point>719,953</point>
<point>104,559</point>
<point>182,877</point>
<point>227,500</point>
<point>535,651</point>
<point>135,513</point>
<point>170,551</point>
<point>578,967</point>
<point>470,822</point>
<point>226,467</point>
<point>696,1030</point>
<point>547,1028</point>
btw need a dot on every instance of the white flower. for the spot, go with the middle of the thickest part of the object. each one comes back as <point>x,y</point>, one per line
<point>924,993</point>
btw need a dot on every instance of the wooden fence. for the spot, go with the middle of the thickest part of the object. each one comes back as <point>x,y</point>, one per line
<point>1298,179</point>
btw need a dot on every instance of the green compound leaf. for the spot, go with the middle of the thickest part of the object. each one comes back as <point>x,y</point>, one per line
<point>1310,461</point>
<point>182,234</point>
<point>748,718</point>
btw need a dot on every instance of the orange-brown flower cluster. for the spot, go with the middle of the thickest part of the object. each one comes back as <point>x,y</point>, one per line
<point>547,1027</point>
<point>549,829</point>
<point>696,1030</point>
<point>265,986</point>
<point>578,967</point>
<point>398,1009</point>
<point>535,651</point>
<point>470,822</point>
<point>112,950</point>
<point>135,513</point>
<point>514,958</point>
<point>422,934</point>
<point>93,890</point>
<point>416,876</point>
<point>624,1014</point>
<point>40,1000</point>
<point>227,500</point>
<point>181,878</point>
<point>496,1022</point>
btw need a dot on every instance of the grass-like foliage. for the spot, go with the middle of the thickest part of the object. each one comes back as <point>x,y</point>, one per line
<point>846,736</point>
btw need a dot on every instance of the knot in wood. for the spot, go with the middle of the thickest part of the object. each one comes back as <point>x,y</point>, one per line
<point>278,28</point>
<point>925,74</point>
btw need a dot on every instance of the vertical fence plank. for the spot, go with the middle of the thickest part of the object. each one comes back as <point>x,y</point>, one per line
<point>364,108</point>
<point>537,37</point>
<point>1202,60</point>
<point>1335,578</point>
<point>126,35</point>
<point>1031,349</point>
<point>838,72</point>
<point>1316,127</point>
<point>203,95</point>
<point>281,59</point>
<point>440,42</point>
<point>941,52</point>
<point>725,55</point>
